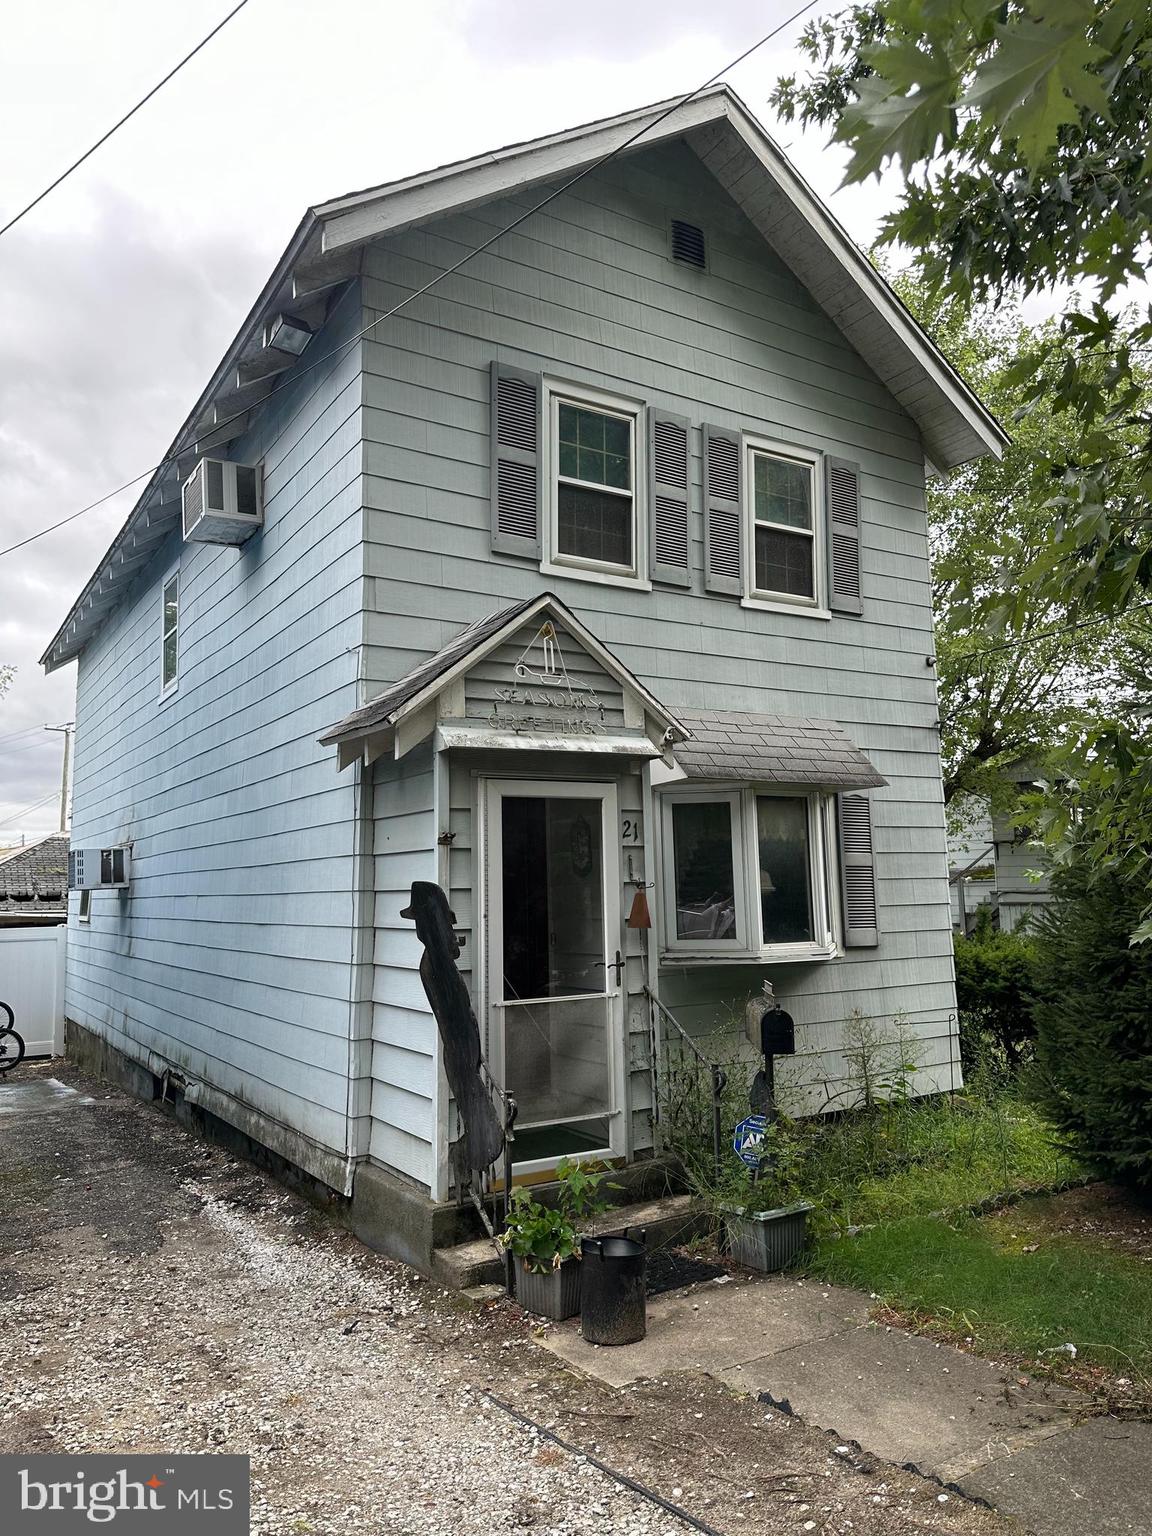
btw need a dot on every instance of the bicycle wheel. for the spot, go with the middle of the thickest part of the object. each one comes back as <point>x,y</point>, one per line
<point>11,1050</point>
<point>11,1024</point>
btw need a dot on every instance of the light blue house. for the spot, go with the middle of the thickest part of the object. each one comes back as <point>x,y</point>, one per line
<point>601,567</point>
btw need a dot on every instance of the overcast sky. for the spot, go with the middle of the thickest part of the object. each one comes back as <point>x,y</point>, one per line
<point>122,290</point>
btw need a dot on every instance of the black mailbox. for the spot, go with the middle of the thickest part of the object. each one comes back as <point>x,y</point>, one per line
<point>777,1034</point>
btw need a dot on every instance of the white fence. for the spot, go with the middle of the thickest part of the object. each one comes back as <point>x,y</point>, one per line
<point>32,984</point>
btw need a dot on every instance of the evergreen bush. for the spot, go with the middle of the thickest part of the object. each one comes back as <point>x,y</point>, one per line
<point>1094,1020</point>
<point>995,991</point>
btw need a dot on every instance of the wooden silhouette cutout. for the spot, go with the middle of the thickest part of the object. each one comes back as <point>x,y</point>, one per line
<point>483,1138</point>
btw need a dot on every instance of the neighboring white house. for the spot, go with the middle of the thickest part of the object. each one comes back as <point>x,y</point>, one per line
<point>995,864</point>
<point>600,567</point>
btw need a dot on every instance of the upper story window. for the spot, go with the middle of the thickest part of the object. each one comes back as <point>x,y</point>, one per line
<point>593,466</point>
<point>595,505</point>
<point>785,553</point>
<point>170,633</point>
<point>605,488</point>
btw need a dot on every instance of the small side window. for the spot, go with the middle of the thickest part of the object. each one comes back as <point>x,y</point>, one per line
<point>704,872</point>
<point>85,912</point>
<point>170,642</point>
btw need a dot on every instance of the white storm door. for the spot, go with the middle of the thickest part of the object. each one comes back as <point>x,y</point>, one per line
<point>553,979</point>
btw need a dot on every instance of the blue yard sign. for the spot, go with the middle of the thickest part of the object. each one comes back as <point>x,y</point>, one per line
<point>748,1139</point>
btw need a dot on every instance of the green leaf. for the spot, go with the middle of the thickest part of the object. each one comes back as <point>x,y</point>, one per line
<point>882,124</point>
<point>1038,79</point>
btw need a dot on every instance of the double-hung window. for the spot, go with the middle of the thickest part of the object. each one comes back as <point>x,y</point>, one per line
<point>170,628</point>
<point>594,474</point>
<point>784,526</point>
<point>746,874</point>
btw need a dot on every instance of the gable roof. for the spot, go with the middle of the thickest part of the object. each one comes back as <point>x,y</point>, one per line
<point>426,680</point>
<point>325,253</point>
<point>34,880</point>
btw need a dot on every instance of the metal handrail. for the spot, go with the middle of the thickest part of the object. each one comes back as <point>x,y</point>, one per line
<point>716,1073</point>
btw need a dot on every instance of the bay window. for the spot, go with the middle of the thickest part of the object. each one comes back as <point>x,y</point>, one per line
<point>746,874</point>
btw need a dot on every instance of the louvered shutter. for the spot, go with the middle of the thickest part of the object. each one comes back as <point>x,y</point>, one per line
<point>858,872</point>
<point>723,506</point>
<point>668,497</point>
<point>516,488</point>
<point>843,492</point>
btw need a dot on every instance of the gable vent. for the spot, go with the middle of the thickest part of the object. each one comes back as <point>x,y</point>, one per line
<point>688,244</point>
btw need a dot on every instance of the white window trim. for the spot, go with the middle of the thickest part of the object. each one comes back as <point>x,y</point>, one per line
<point>553,393</point>
<point>168,689</point>
<point>782,602</point>
<point>750,944</point>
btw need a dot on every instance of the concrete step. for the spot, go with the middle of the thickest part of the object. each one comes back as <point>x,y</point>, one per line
<point>672,1219</point>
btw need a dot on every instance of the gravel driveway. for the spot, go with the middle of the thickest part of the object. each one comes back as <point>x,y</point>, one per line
<point>161,1295</point>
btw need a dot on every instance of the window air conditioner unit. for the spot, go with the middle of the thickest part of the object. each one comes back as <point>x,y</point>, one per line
<point>223,502</point>
<point>98,869</point>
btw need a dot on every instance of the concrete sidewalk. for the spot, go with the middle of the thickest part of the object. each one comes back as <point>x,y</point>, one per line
<point>963,1419</point>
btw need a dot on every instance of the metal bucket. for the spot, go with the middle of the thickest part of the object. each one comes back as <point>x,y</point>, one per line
<point>612,1289</point>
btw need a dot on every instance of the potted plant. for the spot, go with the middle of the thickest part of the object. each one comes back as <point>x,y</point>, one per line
<point>765,1221</point>
<point>545,1242</point>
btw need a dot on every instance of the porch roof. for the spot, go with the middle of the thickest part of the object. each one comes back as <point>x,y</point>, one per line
<point>418,688</point>
<point>773,749</point>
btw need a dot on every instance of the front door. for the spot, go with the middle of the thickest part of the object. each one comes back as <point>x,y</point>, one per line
<point>554,988</point>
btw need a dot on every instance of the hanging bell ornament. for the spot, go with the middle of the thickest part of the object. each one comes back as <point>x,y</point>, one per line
<point>639,916</point>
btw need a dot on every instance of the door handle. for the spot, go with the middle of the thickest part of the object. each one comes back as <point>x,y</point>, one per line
<point>616,965</point>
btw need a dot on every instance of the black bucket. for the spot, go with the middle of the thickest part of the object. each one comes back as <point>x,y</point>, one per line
<point>612,1289</point>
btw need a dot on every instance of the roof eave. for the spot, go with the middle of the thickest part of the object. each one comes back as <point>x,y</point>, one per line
<point>121,560</point>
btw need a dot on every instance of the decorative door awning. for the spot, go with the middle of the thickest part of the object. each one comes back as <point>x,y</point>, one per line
<point>531,677</point>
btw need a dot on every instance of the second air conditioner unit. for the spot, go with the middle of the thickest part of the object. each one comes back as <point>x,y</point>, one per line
<point>98,869</point>
<point>223,502</point>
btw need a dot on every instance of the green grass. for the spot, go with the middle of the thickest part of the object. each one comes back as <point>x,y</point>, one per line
<point>975,1281</point>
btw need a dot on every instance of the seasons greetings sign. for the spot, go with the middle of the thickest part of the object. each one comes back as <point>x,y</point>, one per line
<point>545,698</point>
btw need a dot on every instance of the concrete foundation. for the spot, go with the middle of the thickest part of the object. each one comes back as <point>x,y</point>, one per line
<point>385,1212</point>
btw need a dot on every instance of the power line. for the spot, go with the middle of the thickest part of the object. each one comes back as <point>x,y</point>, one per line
<point>76,164</point>
<point>27,731</point>
<point>28,809</point>
<point>298,373</point>
<point>1047,634</point>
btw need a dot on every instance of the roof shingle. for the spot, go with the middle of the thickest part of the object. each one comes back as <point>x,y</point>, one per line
<point>34,880</point>
<point>773,749</point>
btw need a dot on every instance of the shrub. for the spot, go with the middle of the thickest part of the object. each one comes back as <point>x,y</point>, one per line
<point>995,990</point>
<point>543,1236</point>
<point>1094,1020</point>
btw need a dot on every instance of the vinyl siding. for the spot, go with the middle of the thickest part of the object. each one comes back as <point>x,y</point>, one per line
<point>229,957</point>
<point>404,1036</point>
<point>585,292</point>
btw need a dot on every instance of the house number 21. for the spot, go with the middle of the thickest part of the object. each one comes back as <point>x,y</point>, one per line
<point>631,828</point>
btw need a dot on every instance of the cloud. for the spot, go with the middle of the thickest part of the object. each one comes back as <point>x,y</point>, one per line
<point>605,30</point>
<point>107,342</point>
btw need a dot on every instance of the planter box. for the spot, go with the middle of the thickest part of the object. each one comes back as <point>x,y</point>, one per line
<point>768,1240</point>
<point>555,1294</point>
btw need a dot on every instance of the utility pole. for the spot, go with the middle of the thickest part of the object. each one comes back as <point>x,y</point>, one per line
<point>67,730</point>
